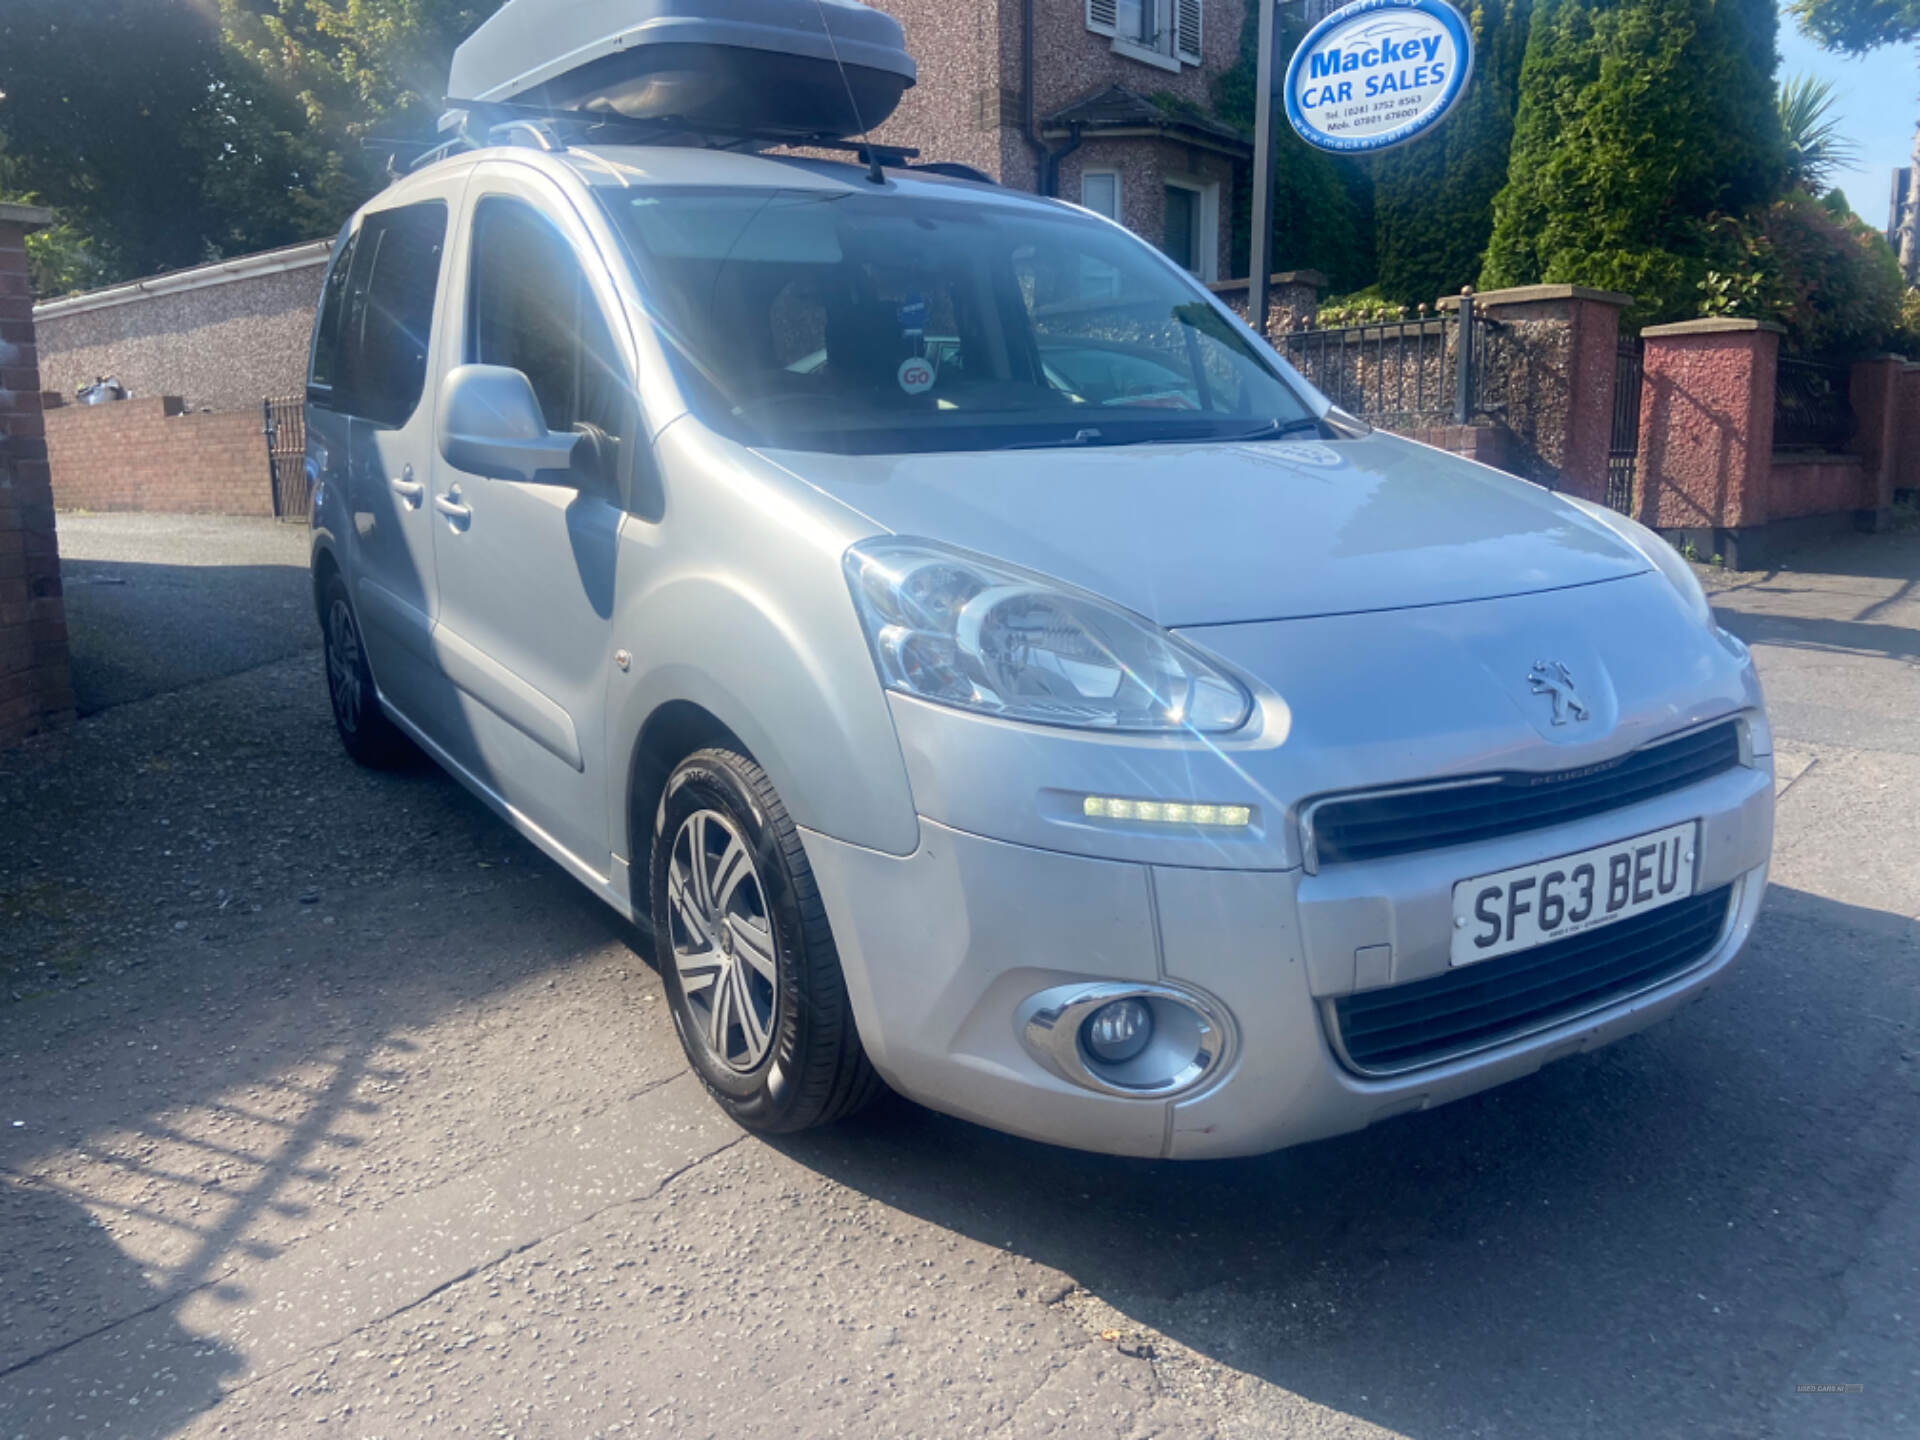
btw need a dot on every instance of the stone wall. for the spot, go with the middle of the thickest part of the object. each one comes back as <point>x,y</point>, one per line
<point>221,337</point>
<point>36,689</point>
<point>1293,299</point>
<point>146,454</point>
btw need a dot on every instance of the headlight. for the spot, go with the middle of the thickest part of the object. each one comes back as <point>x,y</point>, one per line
<point>1662,556</point>
<point>953,628</point>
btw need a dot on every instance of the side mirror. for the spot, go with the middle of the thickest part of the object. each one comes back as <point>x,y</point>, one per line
<point>491,424</point>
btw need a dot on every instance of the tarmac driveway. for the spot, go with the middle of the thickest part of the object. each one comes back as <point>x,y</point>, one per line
<point>327,1106</point>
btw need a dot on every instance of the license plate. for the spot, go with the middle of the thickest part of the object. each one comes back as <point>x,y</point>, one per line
<point>1533,904</point>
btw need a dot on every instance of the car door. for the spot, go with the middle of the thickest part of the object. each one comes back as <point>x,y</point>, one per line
<point>385,346</point>
<point>526,569</point>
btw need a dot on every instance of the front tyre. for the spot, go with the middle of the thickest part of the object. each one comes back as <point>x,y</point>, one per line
<point>366,732</point>
<point>745,953</point>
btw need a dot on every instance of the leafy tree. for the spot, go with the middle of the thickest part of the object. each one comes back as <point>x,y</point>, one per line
<point>1322,204</point>
<point>1815,146</point>
<point>1433,199</point>
<point>123,116</point>
<point>1638,122</point>
<point>359,71</point>
<point>1855,27</point>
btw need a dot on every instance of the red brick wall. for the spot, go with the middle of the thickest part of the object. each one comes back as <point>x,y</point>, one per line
<point>35,687</point>
<point>1907,448</point>
<point>1818,485</point>
<point>144,454</point>
<point>1489,444</point>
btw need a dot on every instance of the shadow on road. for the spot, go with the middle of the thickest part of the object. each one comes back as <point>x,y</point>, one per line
<point>1652,1233</point>
<point>137,630</point>
<point>1854,637</point>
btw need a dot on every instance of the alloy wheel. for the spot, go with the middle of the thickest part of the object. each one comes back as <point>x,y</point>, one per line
<point>722,940</point>
<point>343,666</point>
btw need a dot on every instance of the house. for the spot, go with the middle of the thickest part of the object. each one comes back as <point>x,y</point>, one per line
<point>1106,103</point>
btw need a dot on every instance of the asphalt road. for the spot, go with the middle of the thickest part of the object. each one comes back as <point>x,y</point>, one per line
<point>155,602</point>
<point>327,1106</point>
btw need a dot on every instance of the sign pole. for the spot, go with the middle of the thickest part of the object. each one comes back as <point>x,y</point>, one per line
<point>1259,250</point>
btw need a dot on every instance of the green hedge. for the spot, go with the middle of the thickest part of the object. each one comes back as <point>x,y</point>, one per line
<point>1639,121</point>
<point>1433,198</point>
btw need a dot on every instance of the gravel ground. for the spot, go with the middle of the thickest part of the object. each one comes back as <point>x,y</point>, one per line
<point>329,1107</point>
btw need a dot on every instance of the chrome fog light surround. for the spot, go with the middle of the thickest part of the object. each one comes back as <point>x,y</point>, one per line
<point>1192,1038</point>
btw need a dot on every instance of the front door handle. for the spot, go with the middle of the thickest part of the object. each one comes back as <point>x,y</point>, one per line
<point>408,488</point>
<point>449,505</point>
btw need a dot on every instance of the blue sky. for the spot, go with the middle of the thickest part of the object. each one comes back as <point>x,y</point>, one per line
<point>1879,103</point>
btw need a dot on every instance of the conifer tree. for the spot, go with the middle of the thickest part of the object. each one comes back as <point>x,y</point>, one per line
<point>1639,121</point>
<point>1433,198</point>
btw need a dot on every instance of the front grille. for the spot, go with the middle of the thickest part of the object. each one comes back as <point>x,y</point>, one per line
<point>1367,827</point>
<point>1402,1027</point>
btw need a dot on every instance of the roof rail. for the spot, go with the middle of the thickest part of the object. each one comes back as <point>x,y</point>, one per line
<point>477,123</point>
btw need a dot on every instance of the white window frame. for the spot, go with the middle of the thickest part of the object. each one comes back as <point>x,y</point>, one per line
<point>1206,240</point>
<point>1186,21</point>
<point>1176,38</point>
<point>1119,205</point>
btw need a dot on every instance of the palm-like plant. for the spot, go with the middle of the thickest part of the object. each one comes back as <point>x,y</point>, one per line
<point>1815,146</point>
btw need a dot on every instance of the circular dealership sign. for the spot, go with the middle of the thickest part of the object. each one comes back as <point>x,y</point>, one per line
<point>1377,73</point>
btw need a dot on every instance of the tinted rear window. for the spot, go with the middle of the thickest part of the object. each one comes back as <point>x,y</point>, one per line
<point>387,320</point>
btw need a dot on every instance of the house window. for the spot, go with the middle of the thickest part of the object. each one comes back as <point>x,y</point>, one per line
<point>1191,226</point>
<point>1164,33</point>
<point>1100,192</point>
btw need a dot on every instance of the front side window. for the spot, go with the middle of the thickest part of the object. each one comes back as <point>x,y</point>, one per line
<point>531,309</point>
<point>871,324</point>
<point>386,320</point>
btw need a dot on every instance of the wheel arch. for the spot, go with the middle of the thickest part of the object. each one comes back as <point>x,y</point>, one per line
<point>676,729</point>
<point>324,565</point>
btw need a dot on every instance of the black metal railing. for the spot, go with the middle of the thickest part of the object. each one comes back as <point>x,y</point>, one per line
<point>1407,374</point>
<point>1811,406</point>
<point>1623,449</point>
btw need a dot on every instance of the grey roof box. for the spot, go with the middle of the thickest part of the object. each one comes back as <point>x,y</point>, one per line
<point>759,66</point>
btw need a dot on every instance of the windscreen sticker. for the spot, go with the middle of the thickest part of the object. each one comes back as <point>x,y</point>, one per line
<point>915,375</point>
<point>912,316</point>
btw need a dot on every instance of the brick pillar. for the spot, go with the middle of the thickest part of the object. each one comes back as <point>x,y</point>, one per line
<point>1906,448</point>
<point>1706,429</point>
<point>1559,350</point>
<point>36,689</point>
<point>1293,299</point>
<point>1874,389</point>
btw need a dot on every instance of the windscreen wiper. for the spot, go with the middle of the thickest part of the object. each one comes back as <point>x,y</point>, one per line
<point>1274,429</point>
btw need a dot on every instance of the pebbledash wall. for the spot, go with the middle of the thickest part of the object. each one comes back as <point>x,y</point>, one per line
<point>199,349</point>
<point>221,337</point>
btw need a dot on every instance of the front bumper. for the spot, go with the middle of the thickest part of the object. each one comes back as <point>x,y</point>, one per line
<point>942,947</point>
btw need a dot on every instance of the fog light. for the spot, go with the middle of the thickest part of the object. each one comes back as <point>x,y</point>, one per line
<point>1119,1030</point>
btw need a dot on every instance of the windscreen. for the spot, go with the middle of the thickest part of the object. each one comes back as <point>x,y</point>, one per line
<point>869,324</point>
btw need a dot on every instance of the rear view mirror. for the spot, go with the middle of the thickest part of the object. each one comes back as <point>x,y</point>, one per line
<point>491,424</point>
